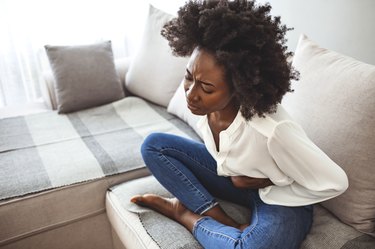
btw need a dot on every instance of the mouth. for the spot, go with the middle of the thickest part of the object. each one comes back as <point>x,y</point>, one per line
<point>192,107</point>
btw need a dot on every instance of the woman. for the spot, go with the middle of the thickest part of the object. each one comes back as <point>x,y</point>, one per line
<point>253,153</point>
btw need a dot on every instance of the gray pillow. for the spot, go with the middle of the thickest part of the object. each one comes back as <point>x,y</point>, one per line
<point>85,76</point>
<point>335,103</point>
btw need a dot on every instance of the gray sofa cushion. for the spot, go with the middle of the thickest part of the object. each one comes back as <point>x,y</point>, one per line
<point>46,150</point>
<point>327,231</point>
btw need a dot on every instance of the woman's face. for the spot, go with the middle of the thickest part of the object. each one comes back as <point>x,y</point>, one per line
<point>205,86</point>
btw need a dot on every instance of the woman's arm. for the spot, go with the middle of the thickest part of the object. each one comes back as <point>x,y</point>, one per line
<point>316,177</point>
<point>246,182</point>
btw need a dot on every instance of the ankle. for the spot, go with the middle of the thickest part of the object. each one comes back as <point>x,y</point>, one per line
<point>219,214</point>
<point>188,219</point>
<point>242,226</point>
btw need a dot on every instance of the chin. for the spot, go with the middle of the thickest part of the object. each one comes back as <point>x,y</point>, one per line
<point>197,112</point>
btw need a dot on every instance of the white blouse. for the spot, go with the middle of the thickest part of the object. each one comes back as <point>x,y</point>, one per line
<point>277,148</point>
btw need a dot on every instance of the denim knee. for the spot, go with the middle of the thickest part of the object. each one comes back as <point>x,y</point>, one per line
<point>151,142</point>
<point>152,146</point>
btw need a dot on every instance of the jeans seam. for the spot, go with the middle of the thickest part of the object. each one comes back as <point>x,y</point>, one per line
<point>183,153</point>
<point>239,240</point>
<point>217,233</point>
<point>255,211</point>
<point>196,224</point>
<point>208,208</point>
<point>176,168</point>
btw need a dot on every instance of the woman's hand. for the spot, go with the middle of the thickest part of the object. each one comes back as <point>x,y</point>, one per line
<point>250,182</point>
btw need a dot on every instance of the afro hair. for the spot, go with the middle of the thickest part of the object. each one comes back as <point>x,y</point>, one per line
<point>246,40</point>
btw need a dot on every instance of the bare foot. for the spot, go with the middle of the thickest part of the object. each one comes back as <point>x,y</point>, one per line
<point>175,210</point>
<point>170,207</point>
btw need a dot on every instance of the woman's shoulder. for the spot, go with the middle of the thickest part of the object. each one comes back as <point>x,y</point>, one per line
<point>271,122</point>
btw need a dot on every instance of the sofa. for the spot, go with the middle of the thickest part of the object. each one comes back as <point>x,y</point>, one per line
<point>67,174</point>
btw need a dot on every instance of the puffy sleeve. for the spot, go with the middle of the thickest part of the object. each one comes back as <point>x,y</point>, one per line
<point>316,177</point>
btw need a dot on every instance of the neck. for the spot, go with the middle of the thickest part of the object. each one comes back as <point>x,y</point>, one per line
<point>226,115</point>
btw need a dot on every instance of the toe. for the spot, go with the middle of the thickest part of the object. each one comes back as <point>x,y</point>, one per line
<point>136,199</point>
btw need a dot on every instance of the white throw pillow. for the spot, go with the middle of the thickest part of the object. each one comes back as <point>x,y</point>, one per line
<point>178,107</point>
<point>154,73</point>
<point>334,101</point>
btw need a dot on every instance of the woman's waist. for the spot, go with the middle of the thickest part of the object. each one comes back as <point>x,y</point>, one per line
<point>264,171</point>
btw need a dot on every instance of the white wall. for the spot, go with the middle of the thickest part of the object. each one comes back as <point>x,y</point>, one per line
<point>345,26</point>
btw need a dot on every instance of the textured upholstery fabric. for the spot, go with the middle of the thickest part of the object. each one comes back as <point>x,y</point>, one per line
<point>329,232</point>
<point>90,144</point>
<point>150,229</point>
<point>334,101</point>
<point>139,227</point>
<point>154,73</point>
<point>85,76</point>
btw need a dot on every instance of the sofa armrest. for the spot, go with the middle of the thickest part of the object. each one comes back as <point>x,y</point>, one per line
<point>48,82</point>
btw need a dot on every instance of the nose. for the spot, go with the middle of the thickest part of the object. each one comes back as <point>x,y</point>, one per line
<point>191,93</point>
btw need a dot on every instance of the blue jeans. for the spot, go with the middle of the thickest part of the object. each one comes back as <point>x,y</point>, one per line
<point>187,170</point>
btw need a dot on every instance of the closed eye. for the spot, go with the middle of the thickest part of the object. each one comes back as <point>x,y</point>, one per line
<point>205,89</point>
<point>205,86</point>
